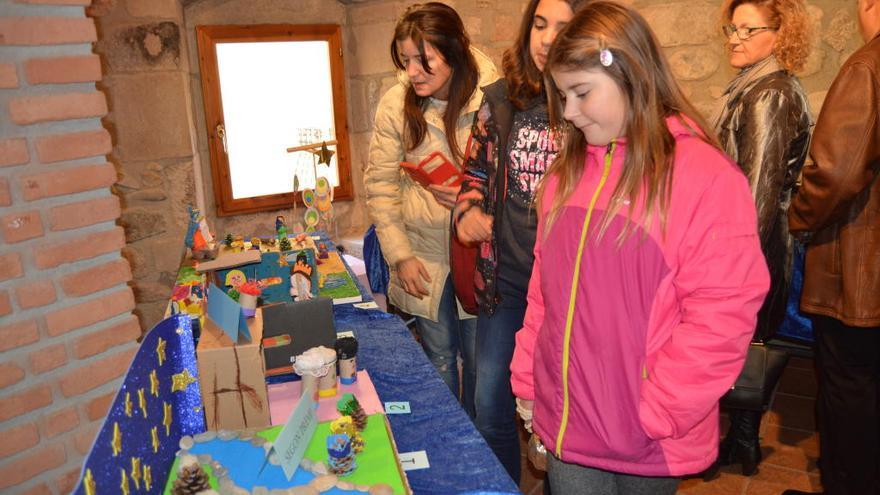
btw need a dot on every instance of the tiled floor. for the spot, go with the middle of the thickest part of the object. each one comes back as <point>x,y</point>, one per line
<point>788,439</point>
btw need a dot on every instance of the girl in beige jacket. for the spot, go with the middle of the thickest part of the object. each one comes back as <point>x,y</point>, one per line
<point>439,92</point>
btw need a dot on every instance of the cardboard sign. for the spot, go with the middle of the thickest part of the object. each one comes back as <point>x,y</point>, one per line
<point>226,314</point>
<point>290,446</point>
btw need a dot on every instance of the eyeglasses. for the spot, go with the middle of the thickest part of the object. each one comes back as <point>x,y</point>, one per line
<point>744,33</point>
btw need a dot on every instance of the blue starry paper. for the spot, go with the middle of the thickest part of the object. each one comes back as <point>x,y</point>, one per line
<point>158,403</point>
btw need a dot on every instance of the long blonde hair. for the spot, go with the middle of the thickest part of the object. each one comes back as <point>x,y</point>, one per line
<point>652,95</point>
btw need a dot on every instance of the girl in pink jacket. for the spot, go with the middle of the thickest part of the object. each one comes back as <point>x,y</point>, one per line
<point>648,270</point>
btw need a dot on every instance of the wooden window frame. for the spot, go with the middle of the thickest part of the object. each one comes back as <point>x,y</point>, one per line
<point>208,37</point>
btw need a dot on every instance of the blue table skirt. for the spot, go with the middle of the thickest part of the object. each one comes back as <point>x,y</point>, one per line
<point>459,458</point>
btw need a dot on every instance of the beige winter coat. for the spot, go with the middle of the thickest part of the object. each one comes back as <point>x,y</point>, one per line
<point>409,222</point>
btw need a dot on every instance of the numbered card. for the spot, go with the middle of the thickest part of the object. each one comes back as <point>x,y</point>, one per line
<point>410,461</point>
<point>397,408</point>
<point>366,305</point>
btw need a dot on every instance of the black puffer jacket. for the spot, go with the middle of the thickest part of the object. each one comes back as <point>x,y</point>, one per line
<point>767,132</point>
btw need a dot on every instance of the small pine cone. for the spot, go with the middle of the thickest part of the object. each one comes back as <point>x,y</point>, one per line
<point>359,418</point>
<point>191,480</point>
<point>344,466</point>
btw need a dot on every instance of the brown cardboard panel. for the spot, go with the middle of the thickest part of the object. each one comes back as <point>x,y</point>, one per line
<point>232,378</point>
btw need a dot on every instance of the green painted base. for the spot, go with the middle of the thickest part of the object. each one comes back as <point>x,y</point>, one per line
<point>376,464</point>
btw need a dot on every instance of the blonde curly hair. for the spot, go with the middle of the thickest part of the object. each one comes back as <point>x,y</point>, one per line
<point>793,32</point>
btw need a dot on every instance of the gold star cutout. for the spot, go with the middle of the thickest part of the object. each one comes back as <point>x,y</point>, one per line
<point>154,433</point>
<point>116,443</point>
<point>148,477</point>
<point>124,484</point>
<point>179,381</point>
<point>142,402</point>
<point>128,405</point>
<point>154,384</point>
<point>324,154</point>
<point>167,418</point>
<point>89,483</point>
<point>160,350</point>
<point>136,472</point>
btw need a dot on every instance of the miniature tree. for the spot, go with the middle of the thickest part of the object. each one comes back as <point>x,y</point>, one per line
<point>228,240</point>
<point>349,406</point>
<point>284,245</point>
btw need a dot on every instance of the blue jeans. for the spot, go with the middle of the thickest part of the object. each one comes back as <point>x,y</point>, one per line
<point>495,405</point>
<point>444,340</point>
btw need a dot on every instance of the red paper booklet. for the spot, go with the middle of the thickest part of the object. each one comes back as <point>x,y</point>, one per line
<point>434,169</point>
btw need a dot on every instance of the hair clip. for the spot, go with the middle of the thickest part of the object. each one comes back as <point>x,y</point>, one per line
<point>605,57</point>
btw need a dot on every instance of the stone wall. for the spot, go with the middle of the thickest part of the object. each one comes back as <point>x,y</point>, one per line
<point>67,332</point>
<point>146,68</point>
<point>157,119</point>
<point>692,43</point>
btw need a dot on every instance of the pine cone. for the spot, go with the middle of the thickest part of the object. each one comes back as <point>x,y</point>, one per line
<point>191,480</point>
<point>344,466</point>
<point>359,418</point>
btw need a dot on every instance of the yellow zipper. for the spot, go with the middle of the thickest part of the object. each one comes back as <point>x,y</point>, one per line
<point>572,296</point>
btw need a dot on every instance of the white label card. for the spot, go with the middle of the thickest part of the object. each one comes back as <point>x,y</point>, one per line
<point>397,408</point>
<point>414,460</point>
<point>290,446</point>
<point>345,333</point>
<point>366,305</point>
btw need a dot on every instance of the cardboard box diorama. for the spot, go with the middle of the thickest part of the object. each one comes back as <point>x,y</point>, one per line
<point>232,377</point>
<point>234,354</point>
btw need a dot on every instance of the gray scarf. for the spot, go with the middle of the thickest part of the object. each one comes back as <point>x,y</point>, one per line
<point>739,83</point>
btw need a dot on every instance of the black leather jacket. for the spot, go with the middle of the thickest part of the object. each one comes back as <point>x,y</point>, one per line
<point>767,132</point>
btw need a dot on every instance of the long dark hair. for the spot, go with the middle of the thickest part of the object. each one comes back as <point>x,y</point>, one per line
<point>652,94</point>
<point>439,25</point>
<point>525,81</point>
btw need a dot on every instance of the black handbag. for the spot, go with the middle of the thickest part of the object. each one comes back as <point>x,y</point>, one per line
<point>758,379</point>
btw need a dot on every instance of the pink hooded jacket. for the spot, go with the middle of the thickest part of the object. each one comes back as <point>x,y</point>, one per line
<point>661,323</point>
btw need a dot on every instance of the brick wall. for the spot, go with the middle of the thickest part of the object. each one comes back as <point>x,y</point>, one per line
<point>67,331</point>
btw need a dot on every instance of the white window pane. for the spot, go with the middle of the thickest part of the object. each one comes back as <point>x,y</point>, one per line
<point>272,92</point>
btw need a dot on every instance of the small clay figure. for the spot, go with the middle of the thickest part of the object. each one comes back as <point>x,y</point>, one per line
<point>345,424</point>
<point>322,251</point>
<point>280,227</point>
<point>237,243</point>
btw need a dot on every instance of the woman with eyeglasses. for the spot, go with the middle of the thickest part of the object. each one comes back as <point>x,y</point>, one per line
<point>763,122</point>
